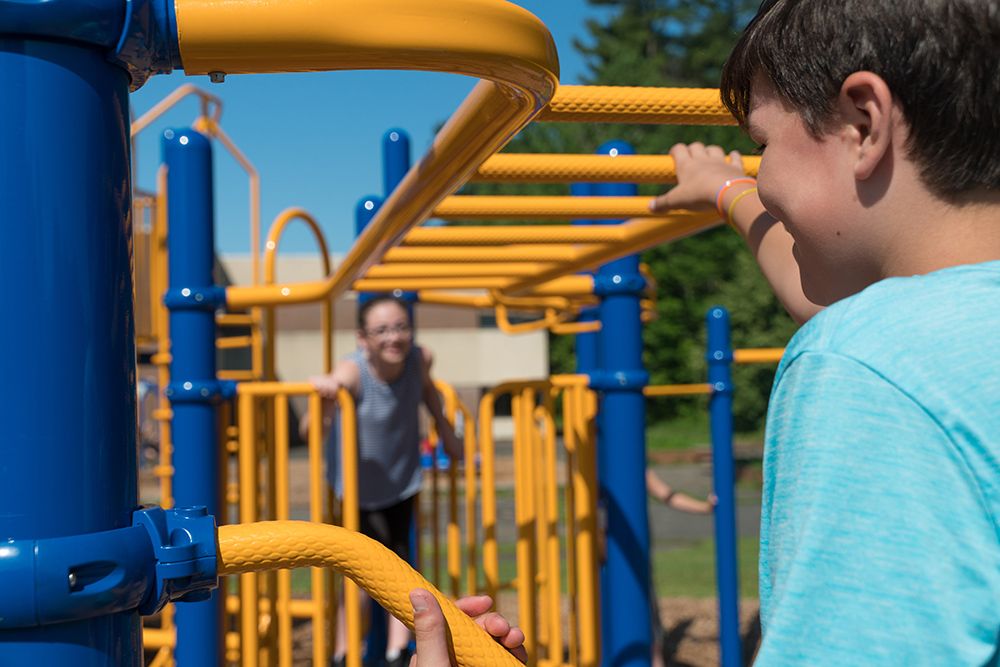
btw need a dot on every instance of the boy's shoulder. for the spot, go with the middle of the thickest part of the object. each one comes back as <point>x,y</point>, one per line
<point>933,323</point>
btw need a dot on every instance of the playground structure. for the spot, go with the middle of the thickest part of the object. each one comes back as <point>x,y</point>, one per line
<point>82,572</point>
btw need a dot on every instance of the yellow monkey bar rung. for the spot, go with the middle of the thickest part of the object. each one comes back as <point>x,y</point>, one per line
<point>632,104</point>
<point>470,207</point>
<point>559,168</point>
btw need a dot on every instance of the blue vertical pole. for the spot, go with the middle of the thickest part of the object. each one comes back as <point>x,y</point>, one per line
<point>192,299</point>
<point>720,359</point>
<point>68,408</point>
<point>625,575</point>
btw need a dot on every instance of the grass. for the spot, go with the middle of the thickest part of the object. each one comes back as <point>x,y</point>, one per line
<point>689,431</point>
<point>689,571</point>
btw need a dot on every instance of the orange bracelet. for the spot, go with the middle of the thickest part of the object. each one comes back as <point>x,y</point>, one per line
<point>725,186</point>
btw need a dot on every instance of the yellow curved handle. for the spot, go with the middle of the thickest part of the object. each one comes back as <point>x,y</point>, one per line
<point>270,545</point>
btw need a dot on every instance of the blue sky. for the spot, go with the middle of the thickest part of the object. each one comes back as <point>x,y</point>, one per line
<point>315,138</point>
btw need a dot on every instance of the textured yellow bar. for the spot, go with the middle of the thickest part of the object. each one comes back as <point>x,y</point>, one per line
<point>676,390</point>
<point>480,269</point>
<point>464,254</point>
<point>633,104</point>
<point>248,467</point>
<point>558,168</point>
<point>352,518</point>
<point>491,554</point>
<point>471,207</point>
<point>499,235</point>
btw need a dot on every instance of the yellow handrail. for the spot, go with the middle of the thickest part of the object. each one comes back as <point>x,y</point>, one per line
<point>634,104</point>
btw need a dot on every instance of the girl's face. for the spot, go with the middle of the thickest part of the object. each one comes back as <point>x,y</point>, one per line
<point>387,334</point>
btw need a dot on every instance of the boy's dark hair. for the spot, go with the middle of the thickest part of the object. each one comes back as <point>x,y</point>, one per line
<point>376,300</point>
<point>938,57</point>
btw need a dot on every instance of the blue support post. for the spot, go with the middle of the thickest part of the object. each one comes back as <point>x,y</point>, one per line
<point>720,358</point>
<point>625,575</point>
<point>68,407</point>
<point>192,299</point>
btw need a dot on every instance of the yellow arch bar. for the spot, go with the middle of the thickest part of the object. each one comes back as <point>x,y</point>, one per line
<point>491,39</point>
<point>628,104</point>
<point>557,168</point>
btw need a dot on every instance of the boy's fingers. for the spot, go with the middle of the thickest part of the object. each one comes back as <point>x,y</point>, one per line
<point>736,159</point>
<point>681,153</point>
<point>430,630</point>
<point>474,605</point>
<point>716,151</point>
<point>661,203</point>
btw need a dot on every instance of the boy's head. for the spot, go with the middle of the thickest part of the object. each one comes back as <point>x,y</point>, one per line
<point>899,97</point>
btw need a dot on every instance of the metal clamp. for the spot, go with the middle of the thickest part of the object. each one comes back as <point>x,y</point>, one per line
<point>606,381</point>
<point>619,283</point>
<point>208,297</point>
<point>163,556</point>
<point>200,391</point>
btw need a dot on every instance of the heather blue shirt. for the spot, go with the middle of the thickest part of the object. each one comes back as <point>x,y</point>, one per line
<point>880,543</point>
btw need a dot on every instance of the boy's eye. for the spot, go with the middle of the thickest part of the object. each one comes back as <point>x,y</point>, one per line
<point>760,149</point>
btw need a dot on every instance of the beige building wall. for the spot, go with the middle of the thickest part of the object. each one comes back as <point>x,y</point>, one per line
<point>469,357</point>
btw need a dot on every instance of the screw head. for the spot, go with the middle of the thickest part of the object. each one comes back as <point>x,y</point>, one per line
<point>72,579</point>
<point>217,77</point>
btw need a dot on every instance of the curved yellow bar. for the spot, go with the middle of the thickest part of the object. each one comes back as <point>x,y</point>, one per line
<point>270,545</point>
<point>558,168</point>
<point>207,100</point>
<point>471,207</point>
<point>492,39</point>
<point>628,104</point>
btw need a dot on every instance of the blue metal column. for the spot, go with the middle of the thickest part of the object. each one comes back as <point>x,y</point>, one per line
<point>68,406</point>
<point>625,575</point>
<point>192,299</point>
<point>720,358</point>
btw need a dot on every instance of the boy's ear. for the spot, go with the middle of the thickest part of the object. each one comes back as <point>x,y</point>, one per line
<point>866,107</point>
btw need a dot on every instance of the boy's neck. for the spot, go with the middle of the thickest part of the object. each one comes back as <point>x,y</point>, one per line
<point>938,234</point>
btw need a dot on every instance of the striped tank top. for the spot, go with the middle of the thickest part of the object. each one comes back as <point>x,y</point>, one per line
<point>388,436</point>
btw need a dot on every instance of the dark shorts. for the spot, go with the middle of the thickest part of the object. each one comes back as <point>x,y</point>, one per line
<point>391,526</point>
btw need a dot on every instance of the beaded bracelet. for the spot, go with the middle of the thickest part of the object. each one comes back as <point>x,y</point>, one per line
<point>736,200</point>
<point>725,186</point>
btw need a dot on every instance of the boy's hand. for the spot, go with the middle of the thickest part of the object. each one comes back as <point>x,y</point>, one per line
<point>430,629</point>
<point>701,171</point>
<point>326,385</point>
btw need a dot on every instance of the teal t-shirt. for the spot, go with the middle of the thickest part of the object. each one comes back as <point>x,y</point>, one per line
<point>880,541</point>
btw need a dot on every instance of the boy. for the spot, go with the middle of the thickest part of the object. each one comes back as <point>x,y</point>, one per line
<point>880,541</point>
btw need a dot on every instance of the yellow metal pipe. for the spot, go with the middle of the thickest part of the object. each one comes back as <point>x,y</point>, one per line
<point>417,284</point>
<point>249,613</point>
<point>550,487</point>
<point>562,168</point>
<point>206,99</point>
<point>587,565</point>
<point>633,104</point>
<point>469,451</point>
<point>501,235</point>
<point>524,504</point>
<point>460,254</point>
<point>480,207</point>
<point>233,342</point>
<point>317,485</point>
<point>483,38</point>
<point>677,390</point>
<point>542,589</point>
<point>282,513</point>
<point>570,446</point>
<point>351,517</point>
<point>461,271</point>
<point>764,355</point>
<point>573,328</point>
<point>491,555</point>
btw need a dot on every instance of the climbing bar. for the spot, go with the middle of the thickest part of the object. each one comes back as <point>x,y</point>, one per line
<point>676,390</point>
<point>270,545</point>
<point>482,269</point>
<point>629,104</point>
<point>514,253</point>
<point>472,207</point>
<point>763,355</point>
<point>504,44</point>
<point>500,235</point>
<point>562,286</point>
<point>559,168</point>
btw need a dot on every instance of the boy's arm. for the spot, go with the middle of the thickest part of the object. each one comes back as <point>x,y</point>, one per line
<point>701,173</point>
<point>876,546</point>
<point>433,403</point>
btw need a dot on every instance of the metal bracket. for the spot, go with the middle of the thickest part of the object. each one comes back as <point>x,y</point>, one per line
<point>200,391</point>
<point>208,298</point>
<point>619,283</point>
<point>163,556</point>
<point>607,381</point>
